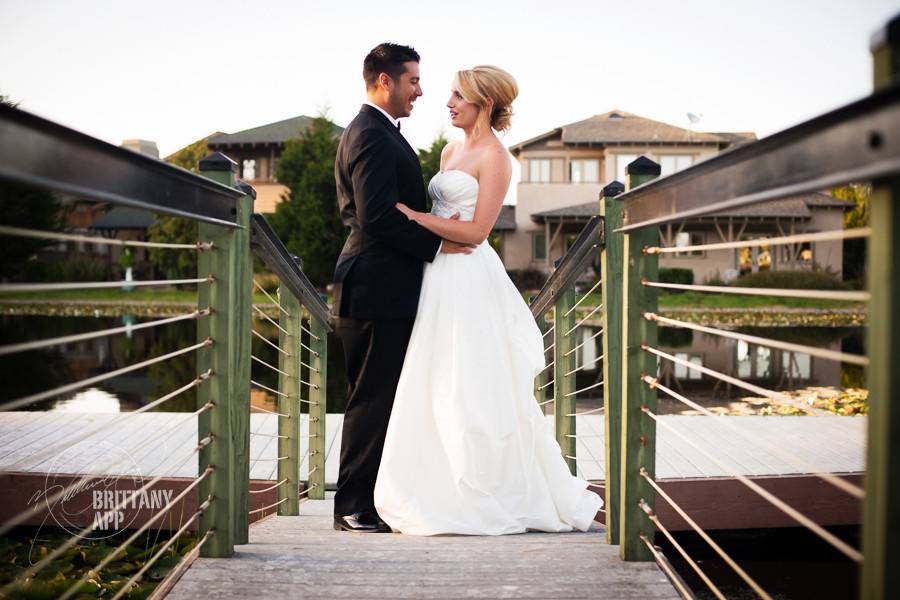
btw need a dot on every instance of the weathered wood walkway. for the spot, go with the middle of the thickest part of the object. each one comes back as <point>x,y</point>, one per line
<point>303,557</point>
<point>831,444</point>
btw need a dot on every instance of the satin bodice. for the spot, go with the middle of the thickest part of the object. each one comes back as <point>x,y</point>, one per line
<point>453,191</point>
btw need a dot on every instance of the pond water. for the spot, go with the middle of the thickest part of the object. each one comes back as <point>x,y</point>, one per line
<point>30,372</point>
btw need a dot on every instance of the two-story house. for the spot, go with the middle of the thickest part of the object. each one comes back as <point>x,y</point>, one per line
<point>564,170</point>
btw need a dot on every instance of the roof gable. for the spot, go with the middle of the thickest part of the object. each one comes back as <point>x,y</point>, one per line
<point>273,133</point>
<point>619,127</point>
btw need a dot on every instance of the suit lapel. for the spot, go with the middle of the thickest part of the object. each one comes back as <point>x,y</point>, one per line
<point>393,130</point>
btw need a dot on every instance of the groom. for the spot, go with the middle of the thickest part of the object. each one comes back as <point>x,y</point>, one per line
<point>379,272</point>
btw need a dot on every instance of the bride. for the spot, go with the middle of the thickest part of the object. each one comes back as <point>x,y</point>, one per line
<point>467,448</point>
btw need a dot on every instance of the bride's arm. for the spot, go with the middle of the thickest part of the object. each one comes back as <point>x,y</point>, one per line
<point>493,182</point>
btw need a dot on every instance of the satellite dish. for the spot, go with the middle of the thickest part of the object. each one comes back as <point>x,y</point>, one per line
<point>694,119</point>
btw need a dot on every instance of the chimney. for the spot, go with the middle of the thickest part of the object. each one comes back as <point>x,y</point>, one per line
<point>142,147</point>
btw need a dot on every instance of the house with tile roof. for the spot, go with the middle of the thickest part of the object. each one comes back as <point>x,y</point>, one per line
<point>565,169</point>
<point>257,151</point>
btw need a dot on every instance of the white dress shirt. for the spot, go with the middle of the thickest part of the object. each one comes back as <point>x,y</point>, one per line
<point>396,123</point>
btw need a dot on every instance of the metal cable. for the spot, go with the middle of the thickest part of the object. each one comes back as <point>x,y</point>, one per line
<point>126,587</point>
<point>664,565</point>
<point>587,412</point>
<point>274,301</point>
<point>265,387</point>
<point>72,237</point>
<point>846,486</point>
<point>276,346</point>
<point>823,236</point>
<point>549,331</point>
<point>302,345</point>
<point>584,389</point>
<point>655,520</point>
<point>583,298</point>
<point>269,435</point>
<point>32,570</point>
<point>585,318</point>
<point>308,489</point>
<point>311,334</point>
<point>552,362</point>
<point>837,543</point>
<point>854,359</point>
<point>270,412</point>
<point>748,291</point>
<point>272,487</point>
<point>721,376</point>
<point>312,385</point>
<point>115,552</point>
<point>80,337</point>
<point>96,285</point>
<point>548,384</point>
<point>274,368</point>
<point>546,401</point>
<point>98,378</point>
<point>270,320</point>
<point>702,533</point>
<point>37,507</point>
<point>314,370</point>
<point>68,443</point>
<point>592,363</point>
<point>265,508</point>
<point>593,337</point>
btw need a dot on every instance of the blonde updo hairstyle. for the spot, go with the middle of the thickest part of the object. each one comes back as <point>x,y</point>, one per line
<point>491,89</point>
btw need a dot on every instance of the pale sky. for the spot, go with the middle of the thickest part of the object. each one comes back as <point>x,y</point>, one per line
<point>173,72</point>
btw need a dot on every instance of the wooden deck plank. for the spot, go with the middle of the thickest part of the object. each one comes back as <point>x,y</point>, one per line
<point>303,557</point>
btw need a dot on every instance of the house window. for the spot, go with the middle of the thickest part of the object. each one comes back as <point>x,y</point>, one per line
<point>684,372</point>
<point>672,163</point>
<point>248,169</point>
<point>622,161</point>
<point>689,238</point>
<point>539,170</point>
<point>539,246</point>
<point>584,171</point>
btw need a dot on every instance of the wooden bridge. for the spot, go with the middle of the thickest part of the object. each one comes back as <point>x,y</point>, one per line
<point>226,466</point>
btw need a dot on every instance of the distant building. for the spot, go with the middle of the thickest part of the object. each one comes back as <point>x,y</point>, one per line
<point>257,152</point>
<point>565,169</point>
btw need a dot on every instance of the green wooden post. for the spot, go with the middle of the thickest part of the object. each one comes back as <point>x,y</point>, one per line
<point>564,385</point>
<point>318,408</point>
<point>880,577</point>
<point>215,426</point>
<point>611,292</point>
<point>289,384</point>
<point>638,442</point>
<point>240,402</point>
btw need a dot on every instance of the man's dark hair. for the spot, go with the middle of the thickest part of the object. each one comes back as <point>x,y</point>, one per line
<point>387,58</point>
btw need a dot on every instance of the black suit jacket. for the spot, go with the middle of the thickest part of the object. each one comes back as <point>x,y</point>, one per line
<point>379,272</point>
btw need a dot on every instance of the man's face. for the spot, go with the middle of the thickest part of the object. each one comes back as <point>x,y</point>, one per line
<point>404,91</point>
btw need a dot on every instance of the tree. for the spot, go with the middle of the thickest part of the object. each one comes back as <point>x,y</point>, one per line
<point>176,264</point>
<point>854,262</point>
<point>430,160</point>
<point>307,220</point>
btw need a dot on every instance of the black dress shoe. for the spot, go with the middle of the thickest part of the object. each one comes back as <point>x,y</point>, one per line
<point>361,522</point>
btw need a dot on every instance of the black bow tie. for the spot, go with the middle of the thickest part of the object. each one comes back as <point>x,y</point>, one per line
<point>398,125</point>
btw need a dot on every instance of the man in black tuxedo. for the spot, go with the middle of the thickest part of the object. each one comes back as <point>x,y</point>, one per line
<point>379,272</point>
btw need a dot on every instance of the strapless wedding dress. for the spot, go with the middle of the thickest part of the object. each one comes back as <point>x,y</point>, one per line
<point>468,451</point>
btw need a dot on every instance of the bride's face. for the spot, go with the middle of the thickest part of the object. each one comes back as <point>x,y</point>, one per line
<point>462,114</point>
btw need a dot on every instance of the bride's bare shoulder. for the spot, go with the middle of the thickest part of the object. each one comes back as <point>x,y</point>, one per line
<point>448,151</point>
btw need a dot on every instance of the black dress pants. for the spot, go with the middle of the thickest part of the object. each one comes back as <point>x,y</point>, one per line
<point>374,353</point>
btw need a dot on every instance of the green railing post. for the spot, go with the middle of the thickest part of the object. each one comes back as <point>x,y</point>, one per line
<point>215,426</point>
<point>318,408</point>
<point>240,402</point>
<point>880,577</point>
<point>638,449</point>
<point>563,384</point>
<point>289,384</point>
<point>611,293</point>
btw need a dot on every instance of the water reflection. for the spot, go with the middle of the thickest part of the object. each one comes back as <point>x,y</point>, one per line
<point>35,371</point>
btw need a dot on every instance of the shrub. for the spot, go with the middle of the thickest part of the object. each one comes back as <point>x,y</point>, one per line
<point>676,275</point>
<point>804,280</point>
<point>76,268</point>
<point>527,279</point>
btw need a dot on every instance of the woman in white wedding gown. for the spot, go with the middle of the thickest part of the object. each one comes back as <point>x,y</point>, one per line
<point>468,450</point>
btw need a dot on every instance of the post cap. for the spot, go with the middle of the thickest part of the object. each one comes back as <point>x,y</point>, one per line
<point>889,33</point>
<point>642,166</point>
<point>217,162</point>
<point>613,189</point>
<point>245,187</point>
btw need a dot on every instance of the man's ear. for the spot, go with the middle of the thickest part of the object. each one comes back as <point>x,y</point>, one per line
<point>385,80</point>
